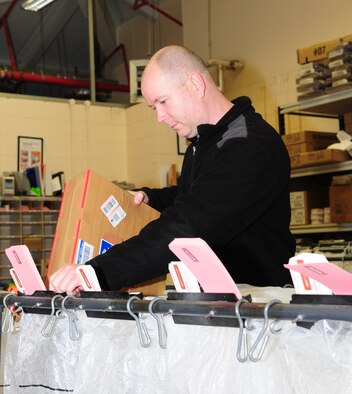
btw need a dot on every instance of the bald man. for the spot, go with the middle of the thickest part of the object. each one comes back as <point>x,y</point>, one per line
<point>233,190</point>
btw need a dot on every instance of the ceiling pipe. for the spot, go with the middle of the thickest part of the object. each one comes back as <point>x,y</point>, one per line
<point>50,79</point>
<point>140,3</point>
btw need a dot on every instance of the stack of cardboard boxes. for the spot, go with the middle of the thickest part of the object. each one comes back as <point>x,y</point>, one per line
<point>324,67</point>
<point>308,148</point>
<point>320,51</point>
<point>340,196</point>
<point>302,203</point>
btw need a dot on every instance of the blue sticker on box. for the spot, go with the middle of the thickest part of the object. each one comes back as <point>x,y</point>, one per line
<point>104,246</point>
<point>84,252</point>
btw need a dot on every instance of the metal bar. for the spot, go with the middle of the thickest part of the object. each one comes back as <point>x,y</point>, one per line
<point>221,309</point>
<point>91,51</point>
<point>140,3</point>
<point>281,121</point>
<point>341,122</point>
<point>312,115</point>
<point>10,46</point>
<point>4,23</point>
<point>7,13</point>
<point>121,48</point>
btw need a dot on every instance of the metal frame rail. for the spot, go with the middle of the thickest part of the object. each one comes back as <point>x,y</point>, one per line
<point>210,309</point>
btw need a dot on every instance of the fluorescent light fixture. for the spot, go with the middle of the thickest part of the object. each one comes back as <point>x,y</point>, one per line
<point>35,5</point>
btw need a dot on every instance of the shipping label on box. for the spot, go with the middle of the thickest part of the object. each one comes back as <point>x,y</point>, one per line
<point>94,209</point>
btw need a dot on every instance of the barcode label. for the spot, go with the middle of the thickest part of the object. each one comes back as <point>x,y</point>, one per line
<point>109,205</point>
<point>84,252</point>
<point>113,211</point>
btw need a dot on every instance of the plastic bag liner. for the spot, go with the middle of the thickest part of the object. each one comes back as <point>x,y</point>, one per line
<point>109,359</point>
<point>34,364</point>
<point>319,359</point>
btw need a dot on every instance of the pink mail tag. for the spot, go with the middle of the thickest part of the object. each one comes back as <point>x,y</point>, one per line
<point>335,278</point>
<point>210,272</point>
<point>25,268</point>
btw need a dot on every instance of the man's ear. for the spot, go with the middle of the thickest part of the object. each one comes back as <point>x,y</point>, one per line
<point>197,83</point>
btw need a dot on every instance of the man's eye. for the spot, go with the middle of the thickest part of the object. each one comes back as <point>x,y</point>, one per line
<point>162,101</point>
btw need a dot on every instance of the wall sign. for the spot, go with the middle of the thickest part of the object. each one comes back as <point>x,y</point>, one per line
<point>29,153</point>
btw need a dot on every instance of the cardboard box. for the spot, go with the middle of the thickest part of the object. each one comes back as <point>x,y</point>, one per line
<point>33,243</point>
<point>309,199</point>
<point>315,139</point>
<point>299,217</point>
<point>296,149</point>
<point>348,122</point>
<point>340,203</point>
<point>318,157</point>
<point>320,51</point>
<point>94,214</point>
<point>308,141</point>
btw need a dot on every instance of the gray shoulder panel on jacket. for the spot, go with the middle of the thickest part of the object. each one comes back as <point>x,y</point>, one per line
<point>237,128</point>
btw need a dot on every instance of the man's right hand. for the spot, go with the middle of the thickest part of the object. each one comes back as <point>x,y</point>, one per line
<point>139,197</point>
<point>66,280</point>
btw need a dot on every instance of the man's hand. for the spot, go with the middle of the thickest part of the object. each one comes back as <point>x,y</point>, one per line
<point>139,197</point>
<point>66,280</point>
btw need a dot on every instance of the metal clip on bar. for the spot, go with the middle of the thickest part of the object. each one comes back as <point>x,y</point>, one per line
<point>260,339</point>
<point>51,320</point>
<point>142,330</point>
<point>7,324</point>
<point>72,320</point>
<point>242,335</point>
<point>162,333</point>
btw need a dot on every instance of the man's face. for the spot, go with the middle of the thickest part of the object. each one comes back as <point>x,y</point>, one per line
<point>174,102</point>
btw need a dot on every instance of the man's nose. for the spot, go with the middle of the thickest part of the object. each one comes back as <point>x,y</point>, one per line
<point>161,115</point>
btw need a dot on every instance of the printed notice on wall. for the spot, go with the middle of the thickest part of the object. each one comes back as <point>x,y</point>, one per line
<point>113,211</point>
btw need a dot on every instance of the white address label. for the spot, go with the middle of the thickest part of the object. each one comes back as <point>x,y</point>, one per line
<point>113,211</point>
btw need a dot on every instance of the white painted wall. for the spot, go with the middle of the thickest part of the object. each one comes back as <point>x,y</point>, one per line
<point>77,135</point>
<point>128,144</point>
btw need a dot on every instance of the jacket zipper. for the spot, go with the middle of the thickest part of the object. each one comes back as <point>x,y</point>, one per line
<point>194,146</point>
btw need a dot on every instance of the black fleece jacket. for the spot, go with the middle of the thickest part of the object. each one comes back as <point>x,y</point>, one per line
<point>233,193</point>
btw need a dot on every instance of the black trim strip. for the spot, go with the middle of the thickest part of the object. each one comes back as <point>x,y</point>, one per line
<point>24,386</point>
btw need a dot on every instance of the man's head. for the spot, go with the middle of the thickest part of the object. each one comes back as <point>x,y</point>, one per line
<point>177,84</point>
